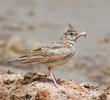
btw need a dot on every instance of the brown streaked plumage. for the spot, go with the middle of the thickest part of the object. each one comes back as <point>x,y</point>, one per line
<point>55,54</point>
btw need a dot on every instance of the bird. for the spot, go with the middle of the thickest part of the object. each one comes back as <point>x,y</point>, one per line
<point>55,54</point>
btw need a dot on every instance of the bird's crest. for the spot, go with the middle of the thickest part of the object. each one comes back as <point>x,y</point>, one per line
<point>70,29</point>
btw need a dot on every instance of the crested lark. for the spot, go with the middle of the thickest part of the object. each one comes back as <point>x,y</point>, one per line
<point>55,54</point>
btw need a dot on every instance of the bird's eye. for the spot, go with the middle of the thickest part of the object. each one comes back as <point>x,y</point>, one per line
<point>71,33</point>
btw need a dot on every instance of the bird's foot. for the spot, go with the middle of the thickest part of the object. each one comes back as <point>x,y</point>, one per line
<point>56,85</point>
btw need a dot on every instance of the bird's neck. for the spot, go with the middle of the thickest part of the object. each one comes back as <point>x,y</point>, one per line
<point>70,42</point>
<point>67,41</point>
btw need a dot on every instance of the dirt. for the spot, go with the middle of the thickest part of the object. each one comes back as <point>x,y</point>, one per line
<point>41,87</point>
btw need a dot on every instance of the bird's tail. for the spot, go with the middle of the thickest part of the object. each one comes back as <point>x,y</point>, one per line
<point>16,60</point>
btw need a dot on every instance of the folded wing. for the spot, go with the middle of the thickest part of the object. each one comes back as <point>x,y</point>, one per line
<point>46,54</point>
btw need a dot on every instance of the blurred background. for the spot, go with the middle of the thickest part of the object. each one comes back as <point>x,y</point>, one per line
<point>29,24</point>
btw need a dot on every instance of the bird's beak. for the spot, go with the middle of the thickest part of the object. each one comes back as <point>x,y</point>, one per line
<point>78,35</point>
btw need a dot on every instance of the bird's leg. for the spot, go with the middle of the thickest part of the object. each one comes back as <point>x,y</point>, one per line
<point>53,77</point>
<point>50,72</point>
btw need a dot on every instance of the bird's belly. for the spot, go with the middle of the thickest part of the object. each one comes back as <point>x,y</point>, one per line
<point>60,62</point>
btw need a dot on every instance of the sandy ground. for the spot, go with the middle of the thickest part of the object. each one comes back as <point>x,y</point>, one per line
<point>38,86</point>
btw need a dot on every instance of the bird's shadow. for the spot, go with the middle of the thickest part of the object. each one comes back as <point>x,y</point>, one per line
<point>32,77</point>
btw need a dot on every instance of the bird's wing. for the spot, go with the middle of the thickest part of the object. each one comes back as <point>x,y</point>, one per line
<point>47,54</point>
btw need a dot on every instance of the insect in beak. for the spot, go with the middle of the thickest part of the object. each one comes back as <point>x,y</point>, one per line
<point>82,34</point>
<point>85,35</point>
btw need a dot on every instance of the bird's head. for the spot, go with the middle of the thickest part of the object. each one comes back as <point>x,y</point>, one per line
<point>70,34</point>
